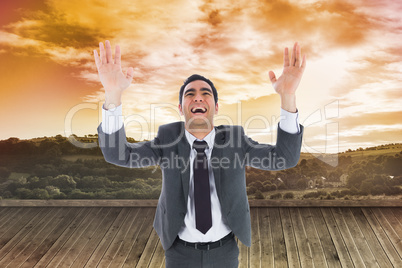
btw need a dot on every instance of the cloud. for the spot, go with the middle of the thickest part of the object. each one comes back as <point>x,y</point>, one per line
<point>353,50</point>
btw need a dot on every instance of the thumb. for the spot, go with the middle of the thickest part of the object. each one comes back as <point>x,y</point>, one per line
<point>272,77</point>
<point>130,73</point>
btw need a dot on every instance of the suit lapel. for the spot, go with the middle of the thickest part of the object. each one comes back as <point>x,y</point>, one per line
<point>220,136</point>
<point>184,168</point>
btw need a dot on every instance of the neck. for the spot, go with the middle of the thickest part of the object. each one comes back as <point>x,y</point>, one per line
<point>198,131</point>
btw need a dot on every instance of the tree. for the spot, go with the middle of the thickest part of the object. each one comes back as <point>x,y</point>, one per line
<point>24,193</point>
<point>301,184</point>
<point>356,178</point>
<point>64,182</point>
<point>40,194</point>
<point>4,174</point>
<point>366,187</point>
<point>258,195</point>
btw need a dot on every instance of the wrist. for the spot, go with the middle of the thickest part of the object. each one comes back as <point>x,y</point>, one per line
<point>288,102</point>
<point>112,100</point>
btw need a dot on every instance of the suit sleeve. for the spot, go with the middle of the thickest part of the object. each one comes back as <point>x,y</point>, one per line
<point>116,150</point>
<point>285,154</point>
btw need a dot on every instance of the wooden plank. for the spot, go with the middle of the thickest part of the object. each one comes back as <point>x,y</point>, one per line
<point>21,231</point>
<point>73,246</point>
<point>100,250</point>
<point>4,213</point>
<point>154,202</point>
<point>146,229</point>
<point>130,238</point>
<point>50,235</point>
<point>327,244</point>
<point>121,236</point>
<point>381,235</point>
<point>337,238</point>
<point>28,243</point>
<point>64,237</point>
<point>158,259</point>
<point>8,225</point>
<point>149,251</point>
<point>389,229</point>
<point>360,241</point>
<point>347,235</point>
<point>8,214</point>
<point>303,245</point>
<point>266,230</point>
<point>93,242</point>
<point>393,220</point>
<point>371,238</point>
<point>255,258</point>
<point>278,240</point>
<point>244,255</point>
<point>290,239</point>
<point>398,213</point>
<point>313,239</point>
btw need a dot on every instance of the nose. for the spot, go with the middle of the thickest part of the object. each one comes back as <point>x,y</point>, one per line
<point>198,98</point>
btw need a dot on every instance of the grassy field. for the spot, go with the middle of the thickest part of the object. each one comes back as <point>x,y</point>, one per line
<point>298,194</point>
<point>361,155</point>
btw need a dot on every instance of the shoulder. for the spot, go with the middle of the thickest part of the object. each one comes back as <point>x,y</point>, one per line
<point>174,126</point>
<point>230,128</point>
<point>230,131</point>
<point>171,131</point>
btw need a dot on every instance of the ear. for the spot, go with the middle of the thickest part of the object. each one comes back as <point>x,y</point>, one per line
<point>216,108</point>
<point>180,109</point>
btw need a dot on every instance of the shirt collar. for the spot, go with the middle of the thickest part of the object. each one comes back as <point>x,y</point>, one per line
<point>209,139</point>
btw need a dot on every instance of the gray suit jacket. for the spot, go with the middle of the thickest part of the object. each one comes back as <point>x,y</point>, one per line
<point>232,151</point>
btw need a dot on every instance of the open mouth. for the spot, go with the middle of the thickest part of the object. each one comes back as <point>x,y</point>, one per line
<point>199,110</point>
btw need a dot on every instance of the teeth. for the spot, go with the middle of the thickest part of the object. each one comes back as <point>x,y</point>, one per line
<point>198,109</point>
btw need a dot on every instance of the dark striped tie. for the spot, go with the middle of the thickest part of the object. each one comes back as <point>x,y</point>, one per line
<point>202,195</point>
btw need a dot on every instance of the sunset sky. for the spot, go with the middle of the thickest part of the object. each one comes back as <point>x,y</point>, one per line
<point>349,97</point>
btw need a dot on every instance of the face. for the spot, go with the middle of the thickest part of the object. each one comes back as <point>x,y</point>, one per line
<point>198,105</point>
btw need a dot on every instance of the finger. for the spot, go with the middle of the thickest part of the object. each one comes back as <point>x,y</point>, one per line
<point>102,53</point>
<point>293,59</point>
<point>286,58</point>
<point>117,56</point>
<point>298,56</point>
<point>97,60</point>
<point>303,65</point>
<point>272,77</point>
<point>108,52</point>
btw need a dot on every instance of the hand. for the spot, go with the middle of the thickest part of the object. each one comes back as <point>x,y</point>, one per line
<point>110,73</point>
<point>292,73</point>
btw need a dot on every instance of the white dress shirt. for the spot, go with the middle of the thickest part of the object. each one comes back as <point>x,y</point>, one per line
<point>219,228</point>
<point>113,121</point>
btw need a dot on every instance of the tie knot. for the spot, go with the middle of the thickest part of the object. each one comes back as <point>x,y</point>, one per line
<point>200,146</point>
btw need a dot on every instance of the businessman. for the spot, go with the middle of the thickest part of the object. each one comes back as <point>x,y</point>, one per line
<point>203,204</point>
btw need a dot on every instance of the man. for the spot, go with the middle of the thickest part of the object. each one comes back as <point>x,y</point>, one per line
<point>203,202</point>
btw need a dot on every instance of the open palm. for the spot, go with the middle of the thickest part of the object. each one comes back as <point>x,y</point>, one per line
<point>292,73</point>
<point>110,73</point>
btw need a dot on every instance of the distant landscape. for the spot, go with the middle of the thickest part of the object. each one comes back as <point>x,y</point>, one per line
<point>53,168</point>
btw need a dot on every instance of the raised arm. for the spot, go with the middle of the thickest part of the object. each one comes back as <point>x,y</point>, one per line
<point>113,143</point>
<point>286,152</point>
<point>111,75</point>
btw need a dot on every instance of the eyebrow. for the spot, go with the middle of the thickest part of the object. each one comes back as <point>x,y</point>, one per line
<point>202,89</point>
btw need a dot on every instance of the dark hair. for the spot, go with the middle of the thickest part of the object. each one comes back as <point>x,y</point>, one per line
<point>195,77</point>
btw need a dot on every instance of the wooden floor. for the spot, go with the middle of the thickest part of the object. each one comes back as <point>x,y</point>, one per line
<point>124,237</point>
